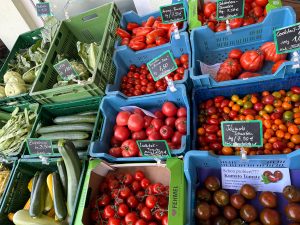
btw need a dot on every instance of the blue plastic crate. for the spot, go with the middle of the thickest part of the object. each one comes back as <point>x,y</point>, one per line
<point>133,17</point>
<point>200,164</point>
<point>211,48</point>
<point>202,94</point>
<point>110,106</point>
<point>124,57</point>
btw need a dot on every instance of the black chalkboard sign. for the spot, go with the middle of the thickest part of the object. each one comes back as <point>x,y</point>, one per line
<point>162,65</point>
<point>65,70</point>
<point>242,133</point>
<point>158,148</point>
<point>287,39</point>
<point>39,146</point>
<point>229,9</point>
<point>43,9</point>
<point>173,13</point>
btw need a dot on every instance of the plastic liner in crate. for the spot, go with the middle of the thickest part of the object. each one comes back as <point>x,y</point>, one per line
<point>9,109</point>
<point>17,193</point>
<point>133,17</point>
<point>48,112</point>
<point>200,164</point>
<point>110,106</point>
<point>24,41</point>
<point>170,173</point>
<point>202,94</point>
<point>124,57</point>
<point>97,25</point>
<point>11,165</point>
<point>211,48</point>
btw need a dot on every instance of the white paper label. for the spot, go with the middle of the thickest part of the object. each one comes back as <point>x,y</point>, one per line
<point>210,69</point>
<point>132,108</point>
<point>263,179</point>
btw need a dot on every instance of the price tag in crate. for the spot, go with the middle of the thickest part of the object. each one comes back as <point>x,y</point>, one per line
<point>157,148</point>
<point>43,9</point>
<point>39,146</point>
<point>229,9</point>
<point>162,65</point>
<point>173,13</point>
<point>242,133</point>
<point>287,39</point>
<point>65,70</point>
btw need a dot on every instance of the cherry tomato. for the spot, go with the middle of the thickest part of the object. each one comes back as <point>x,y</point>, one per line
<point>123,210</point>
<point>131,218</point>
<point>158,188</point>
<point>132,202</point>
<point>146,213</point>
<point>104,200</point>
<point>109,211</point>
<point>184,58</point>
<point>151,201</point>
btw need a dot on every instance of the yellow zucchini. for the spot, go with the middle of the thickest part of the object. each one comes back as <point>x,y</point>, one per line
<point>10,216</point>
<point>22,217</point>
<point>50,184</point>
<point>30,185</point>
<point>27,205</point>
<point>48,201</point>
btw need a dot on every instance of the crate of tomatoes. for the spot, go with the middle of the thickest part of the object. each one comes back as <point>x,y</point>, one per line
<point>144,32</point>
<point>133,194</point>
<point>228,190</point>
<point>165,116</point>
<point>246,55</point>
<point>274,102</point>
<point>133,77</point>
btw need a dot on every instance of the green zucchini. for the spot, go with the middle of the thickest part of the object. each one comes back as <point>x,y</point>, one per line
<point>22,217</point>
<point>73,167</point>
<point>70,127</point>
<point>71,135</point>
<point>37,198</point>
<point>58,198</point>
<point>75,119</point>
<point>63,176</point>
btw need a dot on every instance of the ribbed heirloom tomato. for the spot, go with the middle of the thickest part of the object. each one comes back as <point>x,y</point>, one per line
<point>252,60</point>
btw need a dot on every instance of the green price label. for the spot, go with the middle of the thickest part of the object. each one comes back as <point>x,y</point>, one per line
<point>39,146</point>
<point>230,9</point>
<point>173,13</point>
<point>43,9</point>
<point>157,148</point>
<point>65,70</point>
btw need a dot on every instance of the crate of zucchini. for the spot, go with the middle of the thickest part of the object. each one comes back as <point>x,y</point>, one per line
<point>23,63</point>
<point>38,190</point>
<point>84,39</point>
<point>16,123</point>
<point>79,121</point>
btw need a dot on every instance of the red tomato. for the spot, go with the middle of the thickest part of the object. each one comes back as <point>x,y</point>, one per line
<point>123,210</point>
<point>236,23</point>
<point>154,136</point>
<point>261,3</point>
<point>145,183</point>
<point>114,221</point>
<point>166,132</point>
<point>115,152</point>
<point>128,179</point>
<point>277,65</point>
<point>269,49</point>
<point>122,118</point>
<point>158,214</point>
<point>170,121</point>
<point>109,211</point>
<point>260,19</point>
<point>209,8</point>
<point>136,122</point>
<point>132,202</point>
<point>137,39</point>
<point>125,41</point>
<point>147,121</point>
<point>223,77</point>
<point>164,220</point>
<point>139,175</point>
<point>252,60</point>
<point>220,27</point>
<point>131,218</point>
<point>150,21</point>
<point>169,109</point>
<point>248,21</point>
<point>258,11</point>
<point>131,26</point>
<point>129,148</point>
<point>176,139</point>
<point>247,8</point>
<point>153,35</point>
<point>164,26</point>
<point>211,25</point>
<point>123,33</point>
<point>104,200</point>
<point>136,46</point>
<point>146,213</point>
<point>161,40</point>
<point>125,193</point>
<point>231,67</point>
<point>212,17</point>
<point>142,31</point>
<point>157,124</point>
<point>182,112</point>
<point>121,133</point>
<point>151,201</point>
<point>248,75</point>
<point>180,124</point>
<point>235,54</point>
<point>139,135</point>
<point>184,58</point>
<point>140,222</point>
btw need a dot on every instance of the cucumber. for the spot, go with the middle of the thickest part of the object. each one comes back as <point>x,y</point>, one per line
<point>88,113</point>
<point>63,176</point>
<point>22,217</point>
<point>73,167</point>
<point>75,119</point>
<point>58,198</point>
<point>81,144</point>
<point>37,198</point>
<point>70,127</point>
<point>71,135</point>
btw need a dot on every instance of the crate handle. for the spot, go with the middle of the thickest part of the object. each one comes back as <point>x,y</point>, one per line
<point>66,92</point>
<point>90,17</point>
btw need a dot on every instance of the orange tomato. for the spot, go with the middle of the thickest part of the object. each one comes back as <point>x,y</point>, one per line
<point>275,127</point>
<point>282,127</point>
<point>277,103</point>
<point>214,116</point>
<point>286,105</point>
<point>266,116</point>
<point>268,146</point>
<point>249,117</point>
<point>280,134</point>
<point>287,136</point>
<point>297,121</point>
<point>267,123</point>
<point>236,107</point>
<point>273,140</point>
<point>226,110</point>
<point>278,121</point>
<point>242,117</point>
<point>293,129</point>
<point>231,103</point>
<point>291,145</point>
<point>227,150</point>
<point>201,131</point>
<point>287,99</point>
<point>282,92</point>
<point>287,151</point>
<point>295,138</point>
<point>296,110</point>
<point>254,99</point>
<point>267,152</point>
<point>265,93</point>
<point>297,115</point>
<point>276,152</point>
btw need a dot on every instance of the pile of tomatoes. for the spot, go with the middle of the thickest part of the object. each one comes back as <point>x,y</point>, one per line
<point>254,12</point>
<point>149,34</point>
<point>169,124</point>
<point>127,198</point>
<point>241,65</point>
<point>139,81</point>
<point>279,112</point>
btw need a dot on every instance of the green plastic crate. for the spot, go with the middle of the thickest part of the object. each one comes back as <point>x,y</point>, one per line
<point>9,109</point>
<point>48,112</point>
<point>97,25</point>
<point>17,192</point>
<point>24,41</point>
